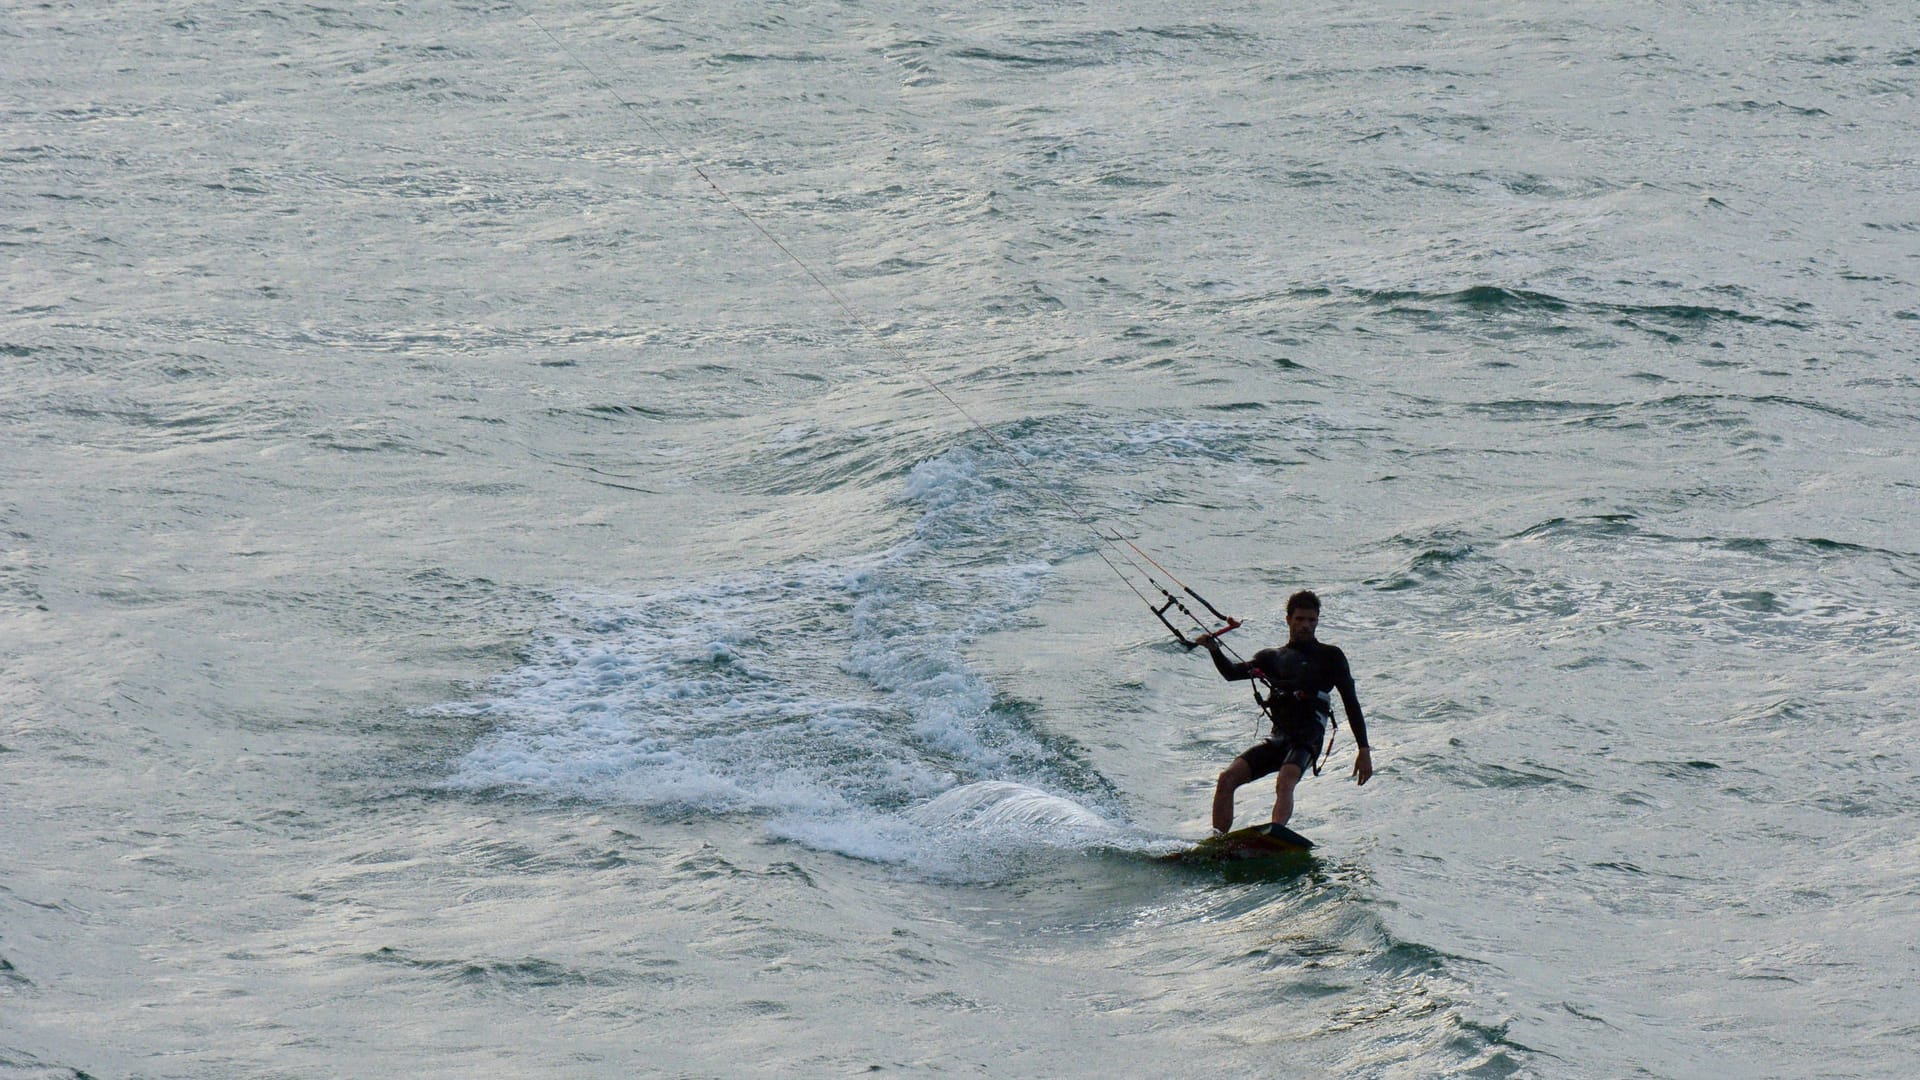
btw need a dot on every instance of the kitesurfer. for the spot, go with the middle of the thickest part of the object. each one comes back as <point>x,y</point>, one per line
<point>1299,674</point>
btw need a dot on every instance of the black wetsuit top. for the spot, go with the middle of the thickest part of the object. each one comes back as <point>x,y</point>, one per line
<point>1298,674</point>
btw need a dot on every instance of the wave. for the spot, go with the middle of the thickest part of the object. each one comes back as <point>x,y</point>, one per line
<point>1495,299</point>
<point>1560,575</point>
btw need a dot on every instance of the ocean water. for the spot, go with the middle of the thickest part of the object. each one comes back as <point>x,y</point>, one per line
<point>562,539</point>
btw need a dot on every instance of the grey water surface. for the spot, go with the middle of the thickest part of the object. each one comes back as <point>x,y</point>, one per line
<point>471,604</point>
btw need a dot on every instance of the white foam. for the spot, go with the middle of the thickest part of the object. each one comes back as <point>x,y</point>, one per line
<point>827,697</point>
<point>1003,806</point>
<point>971,832</point>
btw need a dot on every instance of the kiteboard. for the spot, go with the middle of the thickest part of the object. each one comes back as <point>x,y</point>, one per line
<point>1267,841</point>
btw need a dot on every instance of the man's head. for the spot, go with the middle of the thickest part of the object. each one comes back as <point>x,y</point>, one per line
<point>1303,616</point>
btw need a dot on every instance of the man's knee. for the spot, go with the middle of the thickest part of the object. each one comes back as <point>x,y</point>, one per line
<point>1234,775</point>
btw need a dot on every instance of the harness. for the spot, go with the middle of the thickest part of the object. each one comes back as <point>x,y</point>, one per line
<point>1282,726</point>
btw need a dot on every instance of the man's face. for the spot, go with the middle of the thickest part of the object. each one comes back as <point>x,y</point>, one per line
<point>1302,622</point>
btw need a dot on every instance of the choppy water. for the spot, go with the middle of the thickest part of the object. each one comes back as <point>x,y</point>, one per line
<point>470,605</point>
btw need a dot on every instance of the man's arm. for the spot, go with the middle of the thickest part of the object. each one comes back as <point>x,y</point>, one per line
<point>1230,670</point>
<point>1350,701</point>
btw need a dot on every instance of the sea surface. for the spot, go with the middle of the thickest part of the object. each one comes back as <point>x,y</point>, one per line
<point>557,539</point>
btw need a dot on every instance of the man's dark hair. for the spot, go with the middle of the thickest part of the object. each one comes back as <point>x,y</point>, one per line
<point>1302,599</point>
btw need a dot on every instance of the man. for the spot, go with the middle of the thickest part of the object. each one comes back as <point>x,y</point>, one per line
<point>1298,676</point>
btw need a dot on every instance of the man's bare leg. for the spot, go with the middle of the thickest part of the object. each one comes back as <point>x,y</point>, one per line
<point>1282,794</point>
<point>1230,781</point>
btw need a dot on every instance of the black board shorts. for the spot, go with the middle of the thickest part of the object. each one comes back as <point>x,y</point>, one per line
<point>1268,757</point>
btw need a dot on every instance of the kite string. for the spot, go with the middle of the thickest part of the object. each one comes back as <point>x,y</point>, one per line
<point>867,325</point>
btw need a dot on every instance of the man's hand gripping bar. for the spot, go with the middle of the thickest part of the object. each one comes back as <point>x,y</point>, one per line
<point>1228,621</point>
